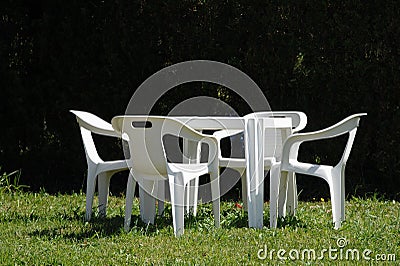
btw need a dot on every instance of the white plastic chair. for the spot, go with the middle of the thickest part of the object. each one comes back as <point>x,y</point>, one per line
<point>99,170</point>
<point>149,166</point>
<point>333,175</point>
<point>272,151</point>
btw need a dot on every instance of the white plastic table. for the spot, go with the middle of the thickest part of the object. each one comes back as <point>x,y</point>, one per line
<point>254,129</point>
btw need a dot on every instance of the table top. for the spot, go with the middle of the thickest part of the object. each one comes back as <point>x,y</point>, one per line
<point>226,122</point>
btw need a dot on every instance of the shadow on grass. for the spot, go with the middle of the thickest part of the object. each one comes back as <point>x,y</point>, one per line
<point>74,228</point>
<point>96,228</point>
<point>231,217</point>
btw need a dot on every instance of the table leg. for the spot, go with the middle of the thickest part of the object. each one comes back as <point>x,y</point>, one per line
<point>254,135</point>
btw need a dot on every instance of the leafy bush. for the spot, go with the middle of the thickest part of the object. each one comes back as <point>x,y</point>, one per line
<point>328,59</point>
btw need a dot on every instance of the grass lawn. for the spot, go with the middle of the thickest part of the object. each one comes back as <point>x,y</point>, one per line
<point>42,229</point>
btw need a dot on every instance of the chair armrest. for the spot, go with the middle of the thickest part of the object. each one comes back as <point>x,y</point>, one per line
<point>220,134</point>
<point>302,122</point>
<point>292,143</point>
<point>187,132</point>
<point>95,124</point>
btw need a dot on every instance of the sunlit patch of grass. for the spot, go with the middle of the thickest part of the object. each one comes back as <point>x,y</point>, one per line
<point>43,229</point>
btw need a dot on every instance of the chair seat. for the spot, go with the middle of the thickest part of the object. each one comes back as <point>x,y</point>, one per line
<point>240,163</point>
<point>200,168</point>
<point>113,165</point>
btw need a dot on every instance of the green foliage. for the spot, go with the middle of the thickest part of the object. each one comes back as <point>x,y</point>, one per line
<point>10,182</point>
<point>327,58</point>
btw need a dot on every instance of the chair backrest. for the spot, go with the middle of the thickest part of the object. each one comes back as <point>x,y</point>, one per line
<point>349,125</point>
<point>299,119</point>
<point>89,123</point>
<point>273,138</point>
<point>145,137</point>
<point>94,124</point>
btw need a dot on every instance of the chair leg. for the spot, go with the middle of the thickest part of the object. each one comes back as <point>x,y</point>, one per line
<point>336,199</point>
<point>90,187</point>
<point>244,190</point>
<point>130,191</point>
<point>103,183</point>
<point>160,197</point>
<point>291,200</point>
<point>192,154</point>
<point>195,195</point>
<point>193,186</point>
<point>343,195</point>
<point>295,194</point>
<point>188,191</point>
<point>215,195</point>
<point>177,190</point>
<point>274,195</point>
<point>147,201</point>
<point>283,182</point>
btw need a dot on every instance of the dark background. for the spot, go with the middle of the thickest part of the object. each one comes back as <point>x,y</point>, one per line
<point>328,59</point>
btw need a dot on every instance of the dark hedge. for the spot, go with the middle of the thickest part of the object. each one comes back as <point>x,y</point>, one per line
<point>327,58</point>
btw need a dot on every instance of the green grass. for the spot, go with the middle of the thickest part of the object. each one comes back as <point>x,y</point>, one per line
<point>42,229</point>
